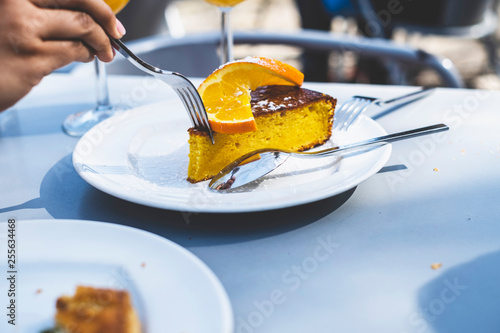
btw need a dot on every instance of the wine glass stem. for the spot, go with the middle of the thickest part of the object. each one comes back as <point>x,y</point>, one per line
<point>102,86</point>
<point>226,36</point>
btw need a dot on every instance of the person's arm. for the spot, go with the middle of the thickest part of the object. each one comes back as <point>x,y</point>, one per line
<point>40,36</point>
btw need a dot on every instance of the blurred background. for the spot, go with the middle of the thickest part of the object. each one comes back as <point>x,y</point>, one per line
<point>459,30</point>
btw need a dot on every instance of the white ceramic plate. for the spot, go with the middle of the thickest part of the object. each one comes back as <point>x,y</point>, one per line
<point>142,156</point>
<point>172,290</point>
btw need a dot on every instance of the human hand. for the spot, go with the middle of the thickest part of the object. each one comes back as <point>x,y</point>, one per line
<point>40,36</point>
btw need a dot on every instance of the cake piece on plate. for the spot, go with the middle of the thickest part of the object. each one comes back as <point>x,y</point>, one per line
<point>93,310</point>
<point>287,117</point>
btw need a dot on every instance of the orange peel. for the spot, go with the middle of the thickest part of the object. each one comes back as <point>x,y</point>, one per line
<point>226,92</point>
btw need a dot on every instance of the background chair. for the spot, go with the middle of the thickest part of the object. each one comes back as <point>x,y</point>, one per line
<point>196,55</point>
<point>470,19</point>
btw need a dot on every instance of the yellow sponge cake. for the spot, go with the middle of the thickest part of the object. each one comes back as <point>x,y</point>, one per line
<point>287,117</point>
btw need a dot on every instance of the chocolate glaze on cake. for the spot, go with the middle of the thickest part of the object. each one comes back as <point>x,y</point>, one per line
<point>281,98</point>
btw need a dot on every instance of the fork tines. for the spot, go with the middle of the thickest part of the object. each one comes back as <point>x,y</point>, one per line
<point>195,108</point>
<point>181,85</point>
<point>350,110</point>
<point>192,103</point>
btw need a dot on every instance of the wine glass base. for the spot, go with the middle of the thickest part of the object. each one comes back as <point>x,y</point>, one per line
<point>79,123</point>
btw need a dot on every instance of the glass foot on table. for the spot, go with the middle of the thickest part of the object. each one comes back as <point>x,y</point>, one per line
<point>79,123</point>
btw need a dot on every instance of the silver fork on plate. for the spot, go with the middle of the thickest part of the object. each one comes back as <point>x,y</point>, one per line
<point>351,109</point>
<point>181,85</point>
<point>241,172</point>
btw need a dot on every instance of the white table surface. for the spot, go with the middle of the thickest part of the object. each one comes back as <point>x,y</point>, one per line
<point>357,262</point>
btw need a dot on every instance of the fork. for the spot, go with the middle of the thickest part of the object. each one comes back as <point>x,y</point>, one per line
<point>247,168</point>
<point>351,109</point>
<point>181,85</point>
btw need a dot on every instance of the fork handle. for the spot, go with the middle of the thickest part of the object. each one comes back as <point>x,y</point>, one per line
<point>380,141</point>
<point>135,60</point>
<point>405,99</point>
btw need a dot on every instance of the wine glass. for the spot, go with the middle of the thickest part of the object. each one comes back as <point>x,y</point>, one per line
<point>226,41</point>
<point>79,123</point>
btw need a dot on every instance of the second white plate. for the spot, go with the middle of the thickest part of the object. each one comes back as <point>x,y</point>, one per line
<point>172,290</point>
<point>142,156</point>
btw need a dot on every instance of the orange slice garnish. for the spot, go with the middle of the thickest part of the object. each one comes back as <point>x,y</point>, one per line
<point>226,92</point>
<point>224,3</point>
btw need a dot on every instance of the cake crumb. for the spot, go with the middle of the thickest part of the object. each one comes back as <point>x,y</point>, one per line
<point>143,265</point>
<point>435,169</point>
<point>436,265</point>
<point>38,291</point>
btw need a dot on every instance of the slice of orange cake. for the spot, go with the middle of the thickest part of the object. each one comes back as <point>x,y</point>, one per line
<point>94,310</point>
<point>287,117</point>
<point>257,103</point>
